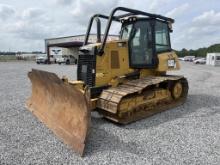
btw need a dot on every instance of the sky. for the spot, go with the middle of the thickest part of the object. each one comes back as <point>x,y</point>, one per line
<point>24,24</point>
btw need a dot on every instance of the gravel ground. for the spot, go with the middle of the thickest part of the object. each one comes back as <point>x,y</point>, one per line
<point>189,134</point>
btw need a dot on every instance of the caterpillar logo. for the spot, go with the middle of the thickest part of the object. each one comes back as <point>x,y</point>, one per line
<point>56,51</point>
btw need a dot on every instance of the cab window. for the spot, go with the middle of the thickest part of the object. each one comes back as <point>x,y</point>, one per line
<point>162,37</point>
<point>126,30</point>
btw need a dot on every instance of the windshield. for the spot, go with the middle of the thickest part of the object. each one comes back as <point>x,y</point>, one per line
<point>126,30</point>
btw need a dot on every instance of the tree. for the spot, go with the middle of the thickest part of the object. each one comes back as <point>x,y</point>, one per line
<point>201,52</point>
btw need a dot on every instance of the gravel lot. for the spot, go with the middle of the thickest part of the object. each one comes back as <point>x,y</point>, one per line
<point>189,134</point>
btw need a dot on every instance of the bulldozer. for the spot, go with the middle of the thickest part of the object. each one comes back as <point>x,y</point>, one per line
<point>124,80</point>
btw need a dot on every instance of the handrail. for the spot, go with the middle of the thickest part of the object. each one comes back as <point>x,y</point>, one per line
<point>112,17</point>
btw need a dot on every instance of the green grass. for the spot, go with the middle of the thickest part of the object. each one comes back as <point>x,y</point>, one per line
<point>7,58</point>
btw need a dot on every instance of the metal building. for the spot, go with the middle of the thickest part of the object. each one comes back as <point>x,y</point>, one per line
<point>63,46</point>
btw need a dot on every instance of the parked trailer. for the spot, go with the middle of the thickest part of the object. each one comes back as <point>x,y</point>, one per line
<point>213,59</point>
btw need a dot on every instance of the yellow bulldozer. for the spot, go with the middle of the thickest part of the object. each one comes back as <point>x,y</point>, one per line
<point>124,80</point>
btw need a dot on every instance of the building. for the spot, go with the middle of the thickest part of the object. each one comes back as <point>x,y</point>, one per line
<point>213,59</point>
<point>69,46</point>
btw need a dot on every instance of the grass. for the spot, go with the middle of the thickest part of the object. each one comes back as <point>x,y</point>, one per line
<point>4,58</point>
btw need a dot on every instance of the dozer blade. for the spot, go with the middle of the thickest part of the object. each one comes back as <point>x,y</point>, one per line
<point>63,108</point>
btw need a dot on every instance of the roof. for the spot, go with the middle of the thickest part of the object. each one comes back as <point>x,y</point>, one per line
<point>72,41</point>
<point>79,35</point>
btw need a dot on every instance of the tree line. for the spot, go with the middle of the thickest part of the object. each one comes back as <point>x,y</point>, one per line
<point>201,52</point>
<point>14,53</point>
<point>7,53</point>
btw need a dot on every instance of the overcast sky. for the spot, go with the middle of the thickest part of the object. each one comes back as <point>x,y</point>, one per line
<point>24,24</point>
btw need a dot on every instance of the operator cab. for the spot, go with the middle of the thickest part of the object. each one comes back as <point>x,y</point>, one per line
<point>147,35</point>
<point>146,38</point>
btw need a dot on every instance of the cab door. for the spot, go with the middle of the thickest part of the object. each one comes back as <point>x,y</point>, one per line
<point>141,45</point>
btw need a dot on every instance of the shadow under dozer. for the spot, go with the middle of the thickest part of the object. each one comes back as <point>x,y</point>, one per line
<point>61,107</point>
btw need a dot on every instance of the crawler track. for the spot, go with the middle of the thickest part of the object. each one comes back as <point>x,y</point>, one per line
<point>137,99</point>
